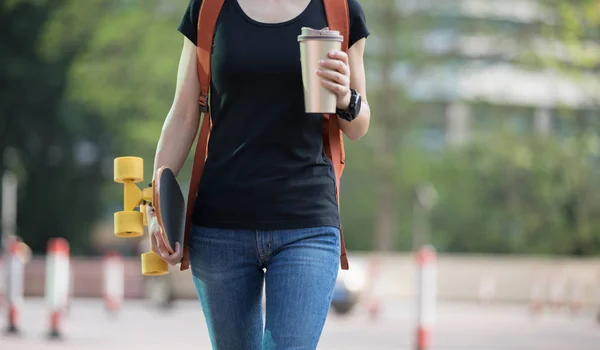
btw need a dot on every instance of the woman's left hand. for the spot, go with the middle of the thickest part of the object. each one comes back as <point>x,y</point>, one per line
<point>335,74</point>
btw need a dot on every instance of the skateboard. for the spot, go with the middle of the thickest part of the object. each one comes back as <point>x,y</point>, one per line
<point>164,194</point>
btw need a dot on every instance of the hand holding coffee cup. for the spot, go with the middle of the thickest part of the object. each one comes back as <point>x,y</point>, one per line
<point>325,70</point>
<point>335,72</point>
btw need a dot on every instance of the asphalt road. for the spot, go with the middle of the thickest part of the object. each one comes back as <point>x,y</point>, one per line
<point>458,327</point>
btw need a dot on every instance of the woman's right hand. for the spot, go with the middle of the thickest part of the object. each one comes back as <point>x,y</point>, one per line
<point>176,139</point>
<point>157,241</point>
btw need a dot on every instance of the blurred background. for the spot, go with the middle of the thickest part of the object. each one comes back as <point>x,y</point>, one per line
<point>484,143</point>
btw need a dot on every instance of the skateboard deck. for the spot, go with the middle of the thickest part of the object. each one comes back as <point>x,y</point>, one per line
<point>170,208</point>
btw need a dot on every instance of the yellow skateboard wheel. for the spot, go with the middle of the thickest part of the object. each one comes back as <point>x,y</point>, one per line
<point>154,265</point>
<point>129,224</point>
<point>128,169</point>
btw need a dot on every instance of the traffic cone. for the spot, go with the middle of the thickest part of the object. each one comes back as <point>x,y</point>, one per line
<point>57,283</point>
<point>114,281</point>
<point>538,294</point>
<point>2,282</point>
<point>426,296</point>
<point>15,266</point>
<point>373,304</point>
<point>576,296</point>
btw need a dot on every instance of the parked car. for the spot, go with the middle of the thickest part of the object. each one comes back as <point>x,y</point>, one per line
<point>349,288</point>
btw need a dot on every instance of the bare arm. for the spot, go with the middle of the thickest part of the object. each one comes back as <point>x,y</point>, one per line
<point>181,124</point>
<point>359,126</point>
<point>176,139</point>
<point>347,71</point>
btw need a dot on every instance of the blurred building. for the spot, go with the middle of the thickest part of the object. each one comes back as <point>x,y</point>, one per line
<point>482,63</point>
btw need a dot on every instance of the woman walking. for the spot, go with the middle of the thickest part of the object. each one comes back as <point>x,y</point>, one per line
<point>266,213</point>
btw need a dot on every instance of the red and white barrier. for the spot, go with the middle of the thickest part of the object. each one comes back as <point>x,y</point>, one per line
<point>71,292</point>
<point>554,291</point>
<point>538,295</point>
<point>558,291</point>
<point>114,281</point>
<point>598,300</point>
<point>426,295</point>
<point>2,281</point>
<point>57,283</point>
<point>576,296</point>
<point>15,273</point>
<point>373,302</point>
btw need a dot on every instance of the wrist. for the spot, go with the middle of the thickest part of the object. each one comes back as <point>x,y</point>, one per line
<point>352,108</point>
<point>344,102</point>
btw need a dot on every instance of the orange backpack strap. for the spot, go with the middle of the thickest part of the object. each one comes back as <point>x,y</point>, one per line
<point>207,21</point>
<point>338,18</point>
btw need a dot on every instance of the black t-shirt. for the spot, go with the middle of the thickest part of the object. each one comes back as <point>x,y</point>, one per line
<point>266,168</point>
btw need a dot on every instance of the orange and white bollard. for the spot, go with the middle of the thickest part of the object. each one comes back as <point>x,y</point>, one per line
<point>15,273</point>
<point>426,295</point>
<point>57,283</point>
<point>114,281</point>
<point>373,303</point>
<point>576,296</point>
<point>558,291</point>
<point>71,292</point>
<point>598,300</point>
<point>538,294</point>
<point>2,281</point>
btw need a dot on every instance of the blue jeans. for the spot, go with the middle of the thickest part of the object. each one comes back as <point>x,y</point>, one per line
<point>298,269</point>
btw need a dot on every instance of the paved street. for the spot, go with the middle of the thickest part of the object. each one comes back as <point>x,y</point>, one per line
<point>459,327</point>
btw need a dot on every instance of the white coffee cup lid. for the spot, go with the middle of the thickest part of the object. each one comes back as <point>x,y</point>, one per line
<point>319,34</point>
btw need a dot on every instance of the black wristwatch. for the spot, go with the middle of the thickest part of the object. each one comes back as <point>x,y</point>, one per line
<point>353,109</point>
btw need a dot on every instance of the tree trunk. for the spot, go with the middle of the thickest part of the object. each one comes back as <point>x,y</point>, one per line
<point>386,227</point>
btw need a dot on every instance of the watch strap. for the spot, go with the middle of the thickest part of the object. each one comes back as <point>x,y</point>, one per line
<point>350,113</point>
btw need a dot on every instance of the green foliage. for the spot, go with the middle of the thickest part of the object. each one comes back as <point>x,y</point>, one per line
<point>128,71</point>
<point>509,193</point>
<point>42,133</point>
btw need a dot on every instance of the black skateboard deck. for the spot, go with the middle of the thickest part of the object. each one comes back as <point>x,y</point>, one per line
<point>170,207</point>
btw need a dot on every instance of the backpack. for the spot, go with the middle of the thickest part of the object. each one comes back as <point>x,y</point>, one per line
<point>338,19</point>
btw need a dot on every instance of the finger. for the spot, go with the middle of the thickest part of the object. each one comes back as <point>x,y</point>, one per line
<point>337,65</point>
<point>162,251</point>
<point>339,55</point>
<point>339,90</point>
<point>178,253</point>
<point>174,258</point>
<point>334,76</point>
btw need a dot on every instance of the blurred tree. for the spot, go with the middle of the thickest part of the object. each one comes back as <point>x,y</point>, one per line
<point>54,145</point>
<point>394,41</point>
<point>128,73</point>
<point>515,194</point>
<point>387,111</point>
